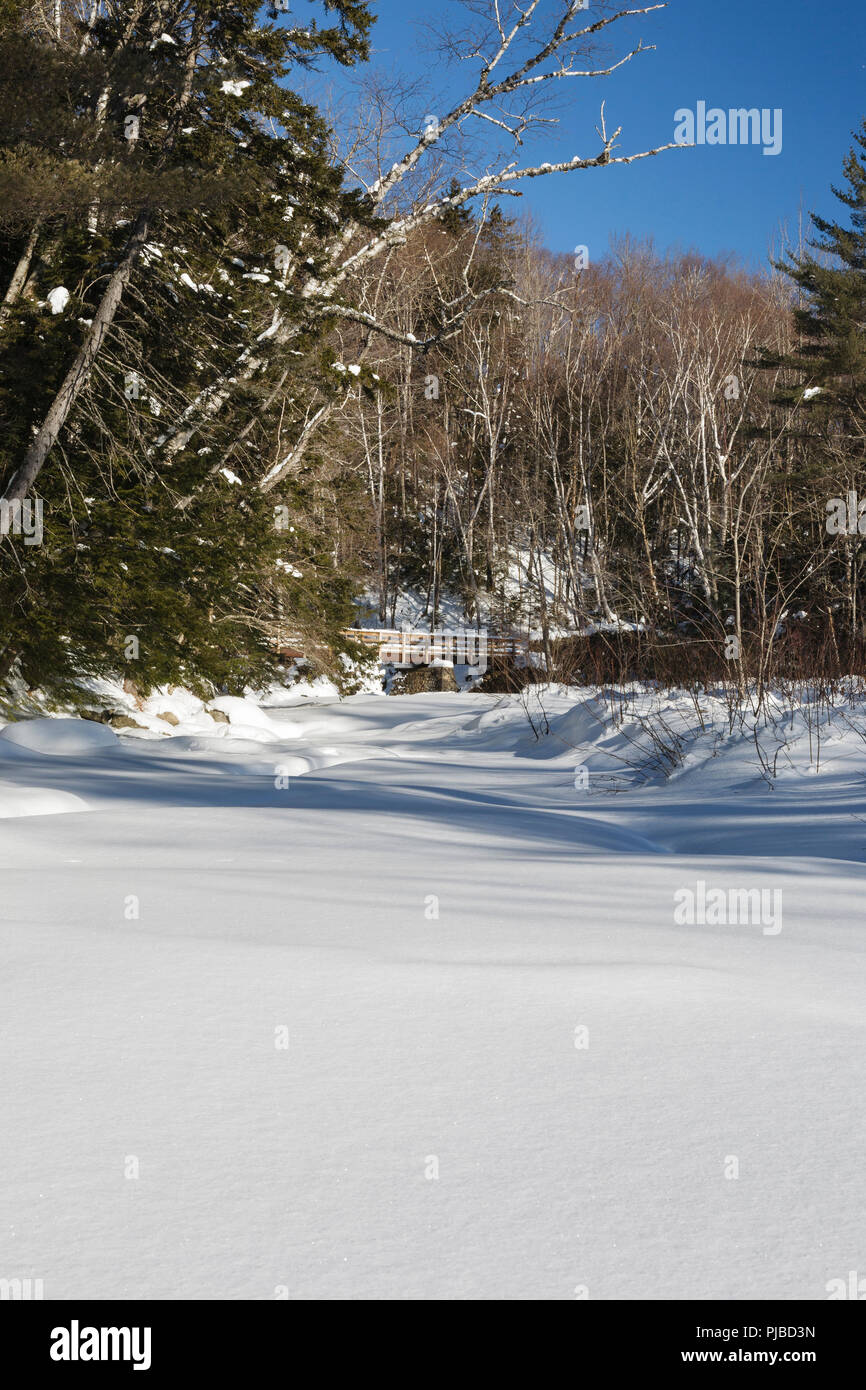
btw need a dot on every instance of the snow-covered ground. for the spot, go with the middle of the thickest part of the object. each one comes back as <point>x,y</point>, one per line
<point>390,998</point>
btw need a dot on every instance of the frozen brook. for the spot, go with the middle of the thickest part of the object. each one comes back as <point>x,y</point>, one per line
<point>434,997</point>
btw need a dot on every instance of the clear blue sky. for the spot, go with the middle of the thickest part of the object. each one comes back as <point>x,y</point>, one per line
<point>809,59</point>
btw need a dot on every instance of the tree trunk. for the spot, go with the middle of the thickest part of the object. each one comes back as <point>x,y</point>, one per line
<point>19,276</point>
<point>80,372</point>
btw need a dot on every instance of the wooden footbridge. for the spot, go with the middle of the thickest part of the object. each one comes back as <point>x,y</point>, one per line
<point>462,646</point>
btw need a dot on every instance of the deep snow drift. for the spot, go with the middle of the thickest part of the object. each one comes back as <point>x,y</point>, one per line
<point>391,998</point>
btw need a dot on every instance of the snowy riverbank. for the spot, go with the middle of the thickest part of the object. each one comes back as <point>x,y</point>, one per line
<point>387,998</point>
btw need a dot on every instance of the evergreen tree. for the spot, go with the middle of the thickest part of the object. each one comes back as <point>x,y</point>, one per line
<point>826,388</point>
<point>199,173</point>
<point>830,315</point>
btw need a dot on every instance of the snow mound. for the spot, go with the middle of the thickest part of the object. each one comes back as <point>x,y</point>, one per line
<point>249,720</point>
<point>181,703</point>
<point>37,801</point>
<point>577,729</point>
<point>60,737</point>
<point>583,723</point>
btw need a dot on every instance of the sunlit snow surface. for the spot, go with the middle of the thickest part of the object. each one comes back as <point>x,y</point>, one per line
<point>509,1072</point>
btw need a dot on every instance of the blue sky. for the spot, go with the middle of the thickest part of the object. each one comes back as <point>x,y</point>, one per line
<point>807,59</point>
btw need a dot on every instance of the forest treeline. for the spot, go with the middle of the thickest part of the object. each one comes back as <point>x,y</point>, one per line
<point>252,387</point>
<point>647,445</point>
